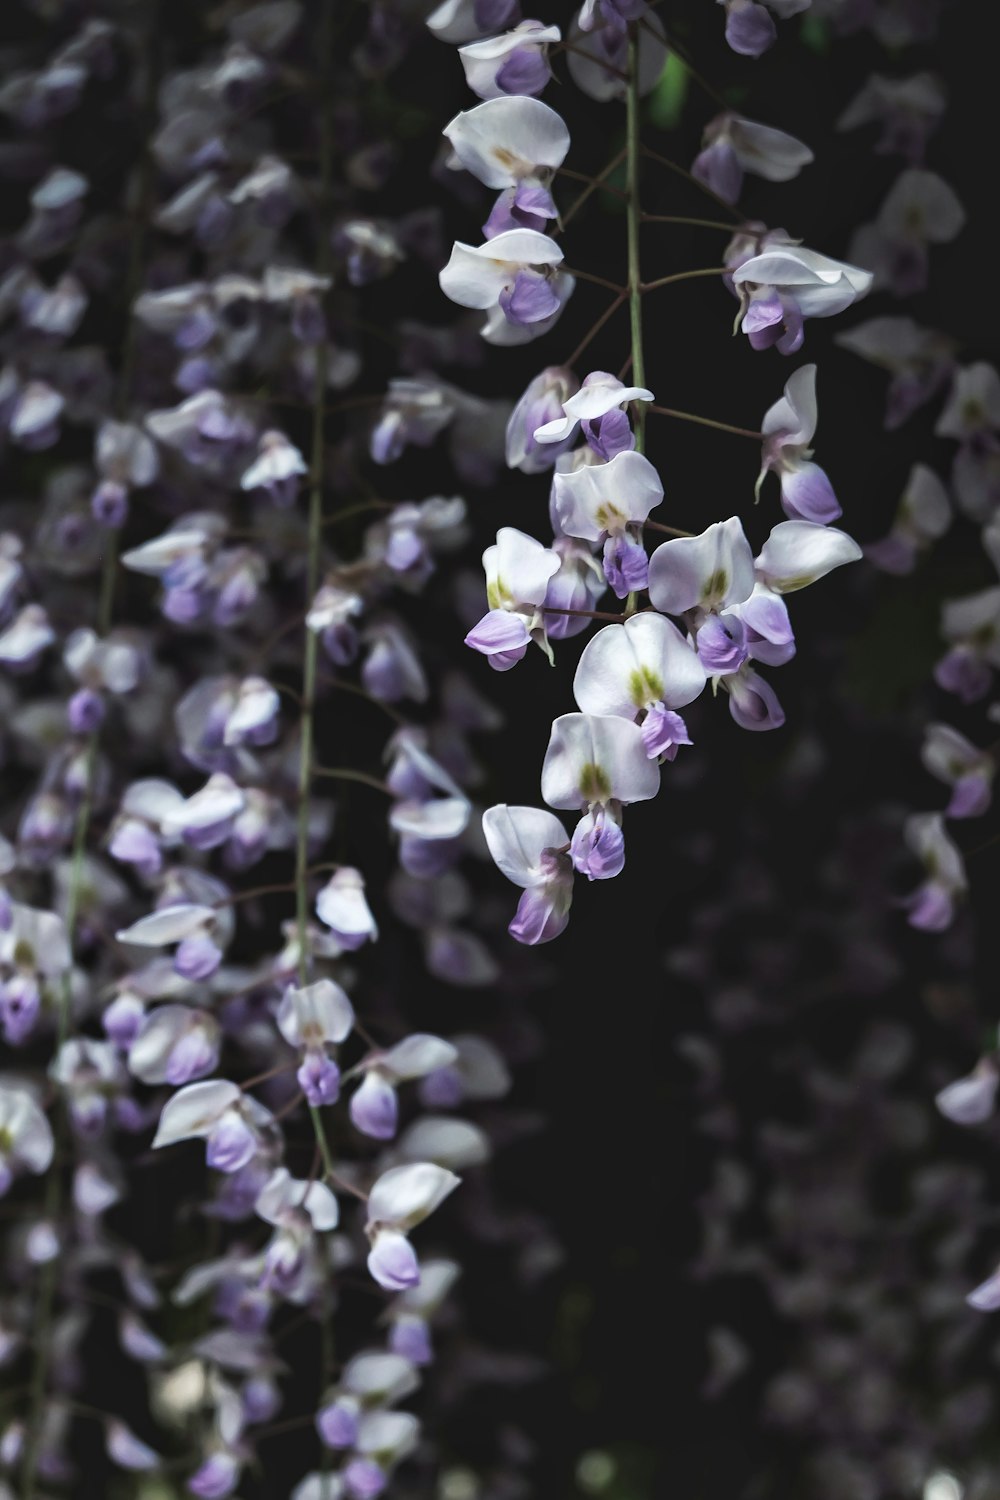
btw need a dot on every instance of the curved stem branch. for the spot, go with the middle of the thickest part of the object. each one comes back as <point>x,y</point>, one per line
<point>690,416</point>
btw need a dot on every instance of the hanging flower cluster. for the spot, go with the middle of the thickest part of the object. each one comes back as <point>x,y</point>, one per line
<point>698,609</point>
<point>232,769</point>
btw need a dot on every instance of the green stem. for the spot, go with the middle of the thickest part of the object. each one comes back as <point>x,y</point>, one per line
<point>317,468</point>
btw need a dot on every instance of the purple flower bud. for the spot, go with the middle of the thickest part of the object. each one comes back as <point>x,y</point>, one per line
<point>750,29</point>
<point>530,299</point>
<point>197,957</point>
<point>963,673</point>
<point>971,1100</point>
<point>541,915</point>
<point>410,1337</point>
<point>319,1078</point>
<point>109,505</point>
<point>192,1056</point>
<point>392,1261</point>
<point>337,1423</point>
<point>231,1144</point>
<point>20,1003</point>
<point>598,846</point>
<point>374,1108</point>
<point>216,1477</point>
<point>364,1479</point>
<point>261,1399</point>
<point>719,168</point>
<point>85,711</point>
<point>721,644</point>
<point>626,565</point>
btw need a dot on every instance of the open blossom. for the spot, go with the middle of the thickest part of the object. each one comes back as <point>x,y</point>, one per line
<point>786,284</point>
<point>175,1044</point>
<point>599,406</point>
<point>932,905</point>
<point>515,277</point>
<point>597,55</point>
<point>515,145</point>
<point>971,626</point>
<point>342,906</point>
<point>703,573</point>
<point>232,1124</point>
<point>608,503</point>
<point>372,1379</point>
<point>908,110</point>
<point>313,1019</point>
<point>542,404</point>
<point>298,1211</point>
<point>920,210</point>
<point>518,569</point>
<point>400,1200</point>
<point>923,515</point>
<point>516,62</point>
<point>578,585</point>
<point>643,671</point>
<point>597,763</point>
<point>919,361</point>
<point>788,427</point>
<point>971,1100</point>
<point>374,1108</point>
<point>732,145</point>
<point>969,772</point>
<point>26,1143</point>
<point>798,553</point>
<point>529,846</point>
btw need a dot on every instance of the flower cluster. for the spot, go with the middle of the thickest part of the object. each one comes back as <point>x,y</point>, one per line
<point>714,609</point>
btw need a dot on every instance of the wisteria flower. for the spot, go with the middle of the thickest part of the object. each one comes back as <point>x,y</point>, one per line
<point>932,905</point>
<point>530,847</point>
<point>515,277</point>
<point>516,145</point>
<point>374,1107</point>
<point>599,406</point>
<point>26,1143</point>
<point>541,405</point>
<point>798,553</point>
<point>732,145</point>
<point>788,427</point>
<point>599,764</point>
<point>516,62</point>
<point>608,503</point>
<point>233,1124</point>
<point>518,569</point>
<point>750,28</point>
<point>923,515</point>
<point>643,671</point>
<point>400,1200</point>
<point>969,772</point>
<point>786,284</point>
<point>703,573</point>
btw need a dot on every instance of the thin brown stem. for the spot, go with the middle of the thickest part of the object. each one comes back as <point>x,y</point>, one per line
<point>690,416</point>
<point>584,614</point>
<point>345,773</point>
<point>594,184</point>
<point>612,286</point>
<point>667,530</point>
<point>653,286</point>
<point>686,219</point>
<point>595,328</point>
